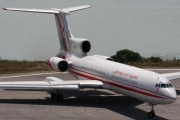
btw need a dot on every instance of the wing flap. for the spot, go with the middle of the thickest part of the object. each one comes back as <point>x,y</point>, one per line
<point>36,85</point>
<point>50,83</point>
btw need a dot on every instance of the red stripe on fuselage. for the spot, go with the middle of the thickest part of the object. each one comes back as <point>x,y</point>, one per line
<point>121,83</point>
<point>50,66</point>
<point>116,85</point>
<point>64,20</point>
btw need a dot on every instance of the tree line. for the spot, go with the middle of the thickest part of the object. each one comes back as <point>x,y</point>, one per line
<point>127,56</point>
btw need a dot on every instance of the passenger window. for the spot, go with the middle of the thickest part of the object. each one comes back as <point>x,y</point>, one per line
<point>163,86</point>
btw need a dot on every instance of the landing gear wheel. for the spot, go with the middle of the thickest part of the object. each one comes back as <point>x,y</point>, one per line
<point>57,97</point>
<point>60,97</point>
<point>52,96</point>
<point>151,114</point>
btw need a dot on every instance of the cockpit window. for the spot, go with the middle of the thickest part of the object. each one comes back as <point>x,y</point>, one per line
<point>170,85</point>
<point>162,85</point>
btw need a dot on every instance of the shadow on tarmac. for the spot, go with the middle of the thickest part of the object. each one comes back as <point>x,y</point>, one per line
<point>120,104</point>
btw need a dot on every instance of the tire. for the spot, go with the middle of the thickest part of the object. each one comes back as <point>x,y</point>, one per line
<point>60,97</point>
<point>52,96</point>
<point>151,114</point>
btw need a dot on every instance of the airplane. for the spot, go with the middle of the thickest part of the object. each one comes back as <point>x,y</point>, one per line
<point>96,71</point>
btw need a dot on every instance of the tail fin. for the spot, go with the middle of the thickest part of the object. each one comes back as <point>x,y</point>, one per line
<point>61,22</point>
<point>63,32</point>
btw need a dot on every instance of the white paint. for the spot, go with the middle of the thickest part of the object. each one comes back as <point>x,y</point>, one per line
<point>131,81</point>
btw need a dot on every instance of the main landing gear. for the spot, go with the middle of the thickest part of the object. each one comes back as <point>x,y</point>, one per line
<point>57,96</point>
<point>151,114</point>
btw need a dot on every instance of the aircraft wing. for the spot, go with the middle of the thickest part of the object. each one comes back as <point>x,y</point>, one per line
<point>51,83</point>
<point>171,76</point>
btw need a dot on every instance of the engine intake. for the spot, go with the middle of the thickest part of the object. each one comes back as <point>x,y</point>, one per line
<point>86,46</point>
<point>58,64</point>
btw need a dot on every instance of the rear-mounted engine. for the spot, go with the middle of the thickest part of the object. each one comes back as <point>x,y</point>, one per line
<point>80,45</point>
<point>58,64</point>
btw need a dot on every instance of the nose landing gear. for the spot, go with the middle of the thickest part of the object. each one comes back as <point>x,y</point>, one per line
<point>151,114</point>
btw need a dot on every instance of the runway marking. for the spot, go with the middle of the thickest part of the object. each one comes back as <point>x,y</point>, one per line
<point>32,75</point>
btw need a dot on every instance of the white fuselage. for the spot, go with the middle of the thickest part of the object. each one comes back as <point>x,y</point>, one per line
<point>124,79</point>
<point>135,82</point>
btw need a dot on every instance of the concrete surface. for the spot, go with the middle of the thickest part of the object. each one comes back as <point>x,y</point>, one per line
<point>88,104</point>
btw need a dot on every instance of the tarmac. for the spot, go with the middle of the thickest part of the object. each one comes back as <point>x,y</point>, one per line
<point>87,104</point>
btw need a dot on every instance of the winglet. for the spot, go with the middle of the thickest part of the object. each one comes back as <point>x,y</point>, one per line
<point>4,8</point>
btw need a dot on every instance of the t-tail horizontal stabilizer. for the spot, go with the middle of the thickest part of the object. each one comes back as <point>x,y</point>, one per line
<point>51,11</point>
<point>61,22</point>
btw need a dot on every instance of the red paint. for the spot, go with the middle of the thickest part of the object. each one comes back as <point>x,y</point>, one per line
<point>119,82</point>
<point>64,42</point>
<point>62,32</point>
<point>64,55</point>
<point>125,74</point>
<point>49,64</point>
<point>117,85</point>
<point>4,8</point>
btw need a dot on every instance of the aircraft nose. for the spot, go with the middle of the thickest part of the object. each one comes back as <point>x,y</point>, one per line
<point>171,94</point>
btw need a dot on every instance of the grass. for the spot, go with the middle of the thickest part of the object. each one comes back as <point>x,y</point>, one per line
<point>163,64</point>
<point>14,66</point>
